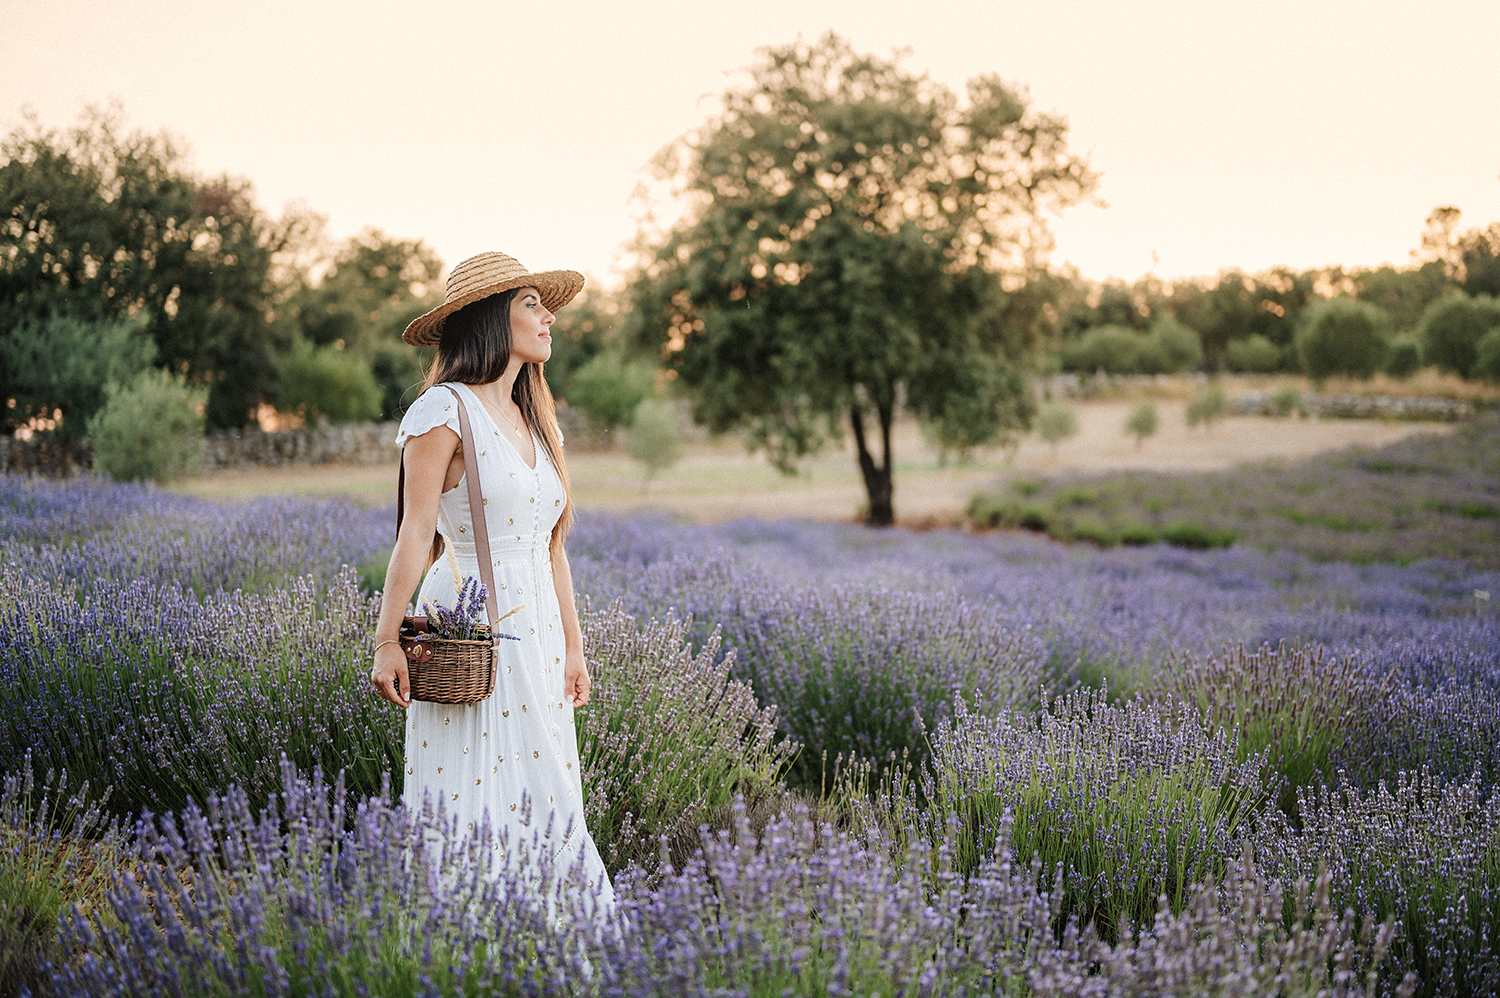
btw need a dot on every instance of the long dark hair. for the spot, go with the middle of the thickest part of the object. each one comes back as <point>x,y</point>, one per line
<point>474,350</point>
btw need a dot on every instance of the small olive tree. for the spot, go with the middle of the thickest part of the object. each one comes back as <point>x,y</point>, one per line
<point>1451,329</point>
<point>1142,421</point>
<point>1208,405</point>
<point>1056,422</point>
<point>654,439</point>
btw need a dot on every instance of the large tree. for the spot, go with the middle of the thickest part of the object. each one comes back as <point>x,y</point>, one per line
<point>857,239</point>
<point>100,224</point>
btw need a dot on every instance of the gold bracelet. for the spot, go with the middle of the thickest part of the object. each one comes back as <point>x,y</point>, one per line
<point>387,641</point>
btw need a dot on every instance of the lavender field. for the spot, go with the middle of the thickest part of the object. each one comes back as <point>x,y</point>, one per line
<point>820,760</point>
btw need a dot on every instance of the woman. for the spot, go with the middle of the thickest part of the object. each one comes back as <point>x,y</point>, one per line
<point>513,757</point>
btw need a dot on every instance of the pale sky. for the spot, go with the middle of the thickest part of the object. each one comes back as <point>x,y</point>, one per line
<point>1298,132</point>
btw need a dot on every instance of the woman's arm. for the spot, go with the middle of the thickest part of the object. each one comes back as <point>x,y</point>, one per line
<point>576,681</point>
<point>430,462</point>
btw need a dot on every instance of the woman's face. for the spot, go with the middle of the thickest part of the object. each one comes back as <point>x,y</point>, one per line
<point>530,327</point>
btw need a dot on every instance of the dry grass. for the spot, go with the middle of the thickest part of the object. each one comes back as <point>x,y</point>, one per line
<point>716,480</point>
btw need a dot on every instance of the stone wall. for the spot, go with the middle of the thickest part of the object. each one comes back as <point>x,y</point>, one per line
<point>339,443</point>
<point>1360,407</point>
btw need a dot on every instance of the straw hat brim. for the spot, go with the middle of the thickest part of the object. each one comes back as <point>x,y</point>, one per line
<point>557,288</point>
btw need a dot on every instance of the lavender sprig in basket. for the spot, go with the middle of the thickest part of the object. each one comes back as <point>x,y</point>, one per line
<point>450,655</point>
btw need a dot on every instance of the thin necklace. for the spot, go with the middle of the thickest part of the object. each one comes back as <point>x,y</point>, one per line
<point>496,409</point>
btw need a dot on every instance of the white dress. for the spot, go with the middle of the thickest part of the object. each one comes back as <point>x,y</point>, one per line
<point>516,751</point>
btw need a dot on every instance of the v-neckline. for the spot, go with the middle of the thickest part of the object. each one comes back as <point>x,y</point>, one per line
<point>535,450</point>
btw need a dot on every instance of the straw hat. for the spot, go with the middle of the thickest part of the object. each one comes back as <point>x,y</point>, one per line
<point>489,274</point>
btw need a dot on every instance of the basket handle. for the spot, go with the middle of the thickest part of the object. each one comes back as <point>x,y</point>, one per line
<point>477,517</point>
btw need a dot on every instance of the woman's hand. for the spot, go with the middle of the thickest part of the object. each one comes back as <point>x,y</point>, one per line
<point>576,681</point>
<point>389,675</point>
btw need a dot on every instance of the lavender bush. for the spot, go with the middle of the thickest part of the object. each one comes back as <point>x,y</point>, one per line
<point>320,896</point>
<point>1131,802</point>
<point>1421,850</point>
<point>164,697</point>
<point>1297,708</point>
<point>44,872</point>
<point>669,740</point>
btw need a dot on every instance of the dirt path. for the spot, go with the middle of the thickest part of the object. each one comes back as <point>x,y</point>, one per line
<point>716,480</point>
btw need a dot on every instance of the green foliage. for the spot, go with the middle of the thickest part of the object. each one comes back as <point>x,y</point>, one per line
<point>1197,536</point>
<point>1056,422</point>
<point>106,225</point>
<point>1254,354</point>
<point>372,288</point>
<point>64,363</point>
<point>1170,347</point>
<point>327,383</point>
<point>851,220</point>
<point>1111,349</point>
<point>589,326</point>
<point>1287,400</point>
<point>609,389</point>
<point>1487,356</point>
<point>1452,328</point>
<point>1208,405</point>
<point>655,436</point>
<point>1343,336</point>
<point>1142,421</point>
<point>1405,356</point>
<point>1292,707</point>
<point>149,428</point>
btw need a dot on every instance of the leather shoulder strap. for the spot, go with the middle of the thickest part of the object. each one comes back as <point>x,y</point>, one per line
<point>477,516</point>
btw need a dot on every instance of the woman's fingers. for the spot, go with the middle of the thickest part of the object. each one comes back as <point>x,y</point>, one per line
<point>392,680</point>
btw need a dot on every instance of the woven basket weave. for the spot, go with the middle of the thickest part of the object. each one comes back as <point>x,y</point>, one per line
<point>456,672</point>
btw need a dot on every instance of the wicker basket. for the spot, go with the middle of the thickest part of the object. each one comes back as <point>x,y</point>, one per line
<point>444,670</point>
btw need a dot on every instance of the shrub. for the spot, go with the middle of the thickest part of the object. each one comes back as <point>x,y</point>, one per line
<point>991,509</point>
<point>1451,329</point>
<point>1196,536</point>
<point>1169,348</point>
<point>1342,336</point>
<point>1254,354</point>
<point>608,389</point>
<point>1142,421</point>
<point>1487,356</point>
<point>1405,357</point>
<point>1208,405</point>
<point>149,428</point>
<point>1056,422</point>
<point>327,383</point>
<point>1287,400</point>
<point>1137,534</point>
<point>655,438</point>
<point>1112,349</point>
<point>669,739</point>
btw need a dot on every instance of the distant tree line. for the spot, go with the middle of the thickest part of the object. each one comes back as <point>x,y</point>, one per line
<point>1320,322</point>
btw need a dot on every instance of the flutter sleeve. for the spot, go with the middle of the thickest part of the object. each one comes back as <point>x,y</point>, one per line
<point>434,407</point>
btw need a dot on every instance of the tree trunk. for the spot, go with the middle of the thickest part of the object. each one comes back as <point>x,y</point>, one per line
<point>878,484</point>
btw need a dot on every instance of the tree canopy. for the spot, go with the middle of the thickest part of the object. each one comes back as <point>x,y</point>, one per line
<point>849,227</point>
<point>102,224</point>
